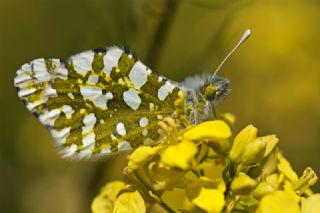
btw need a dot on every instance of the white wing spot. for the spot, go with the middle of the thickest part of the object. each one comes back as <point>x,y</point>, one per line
<point>50,92</point>
<point>88,140</point>
<point>111,59</point>
<point>102,100</point>
<point>67,110</point>
<point>124,145</point>
<point>60,135</point>
<point>71,95</point>
<point>106,150</point>
<point>69,151</point>
<point>143,122</point>
<point>164,90</point>
<point>40,70</point>
<point>61,72</point>
<point>90,92</point>
<point>82,62</point>
<point>138,74</point>
<point>121,130</point>
<point>89,122</point>
<point>94,94</point>
<point>25,92</point>
<point>132,98</point>
<point>54,114</point>
<point>93,79</point>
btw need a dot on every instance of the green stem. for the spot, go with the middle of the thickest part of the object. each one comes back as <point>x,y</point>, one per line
<point>160,35</point>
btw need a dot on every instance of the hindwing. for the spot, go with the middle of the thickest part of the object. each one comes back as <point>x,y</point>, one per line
<point>98,102</point>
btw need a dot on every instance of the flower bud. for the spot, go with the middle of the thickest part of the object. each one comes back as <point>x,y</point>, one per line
<point>141,155</point>
<point>262,189</point>
<point>244,137</point>
<point>254,152</point>
<point>243,184</point>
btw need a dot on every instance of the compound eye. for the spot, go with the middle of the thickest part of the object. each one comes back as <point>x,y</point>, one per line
<point>209,91</point>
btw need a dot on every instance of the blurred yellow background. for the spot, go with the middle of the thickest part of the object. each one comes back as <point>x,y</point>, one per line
<point>274,76</point>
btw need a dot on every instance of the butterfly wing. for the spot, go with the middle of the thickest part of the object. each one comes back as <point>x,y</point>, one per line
<point>98,102</point>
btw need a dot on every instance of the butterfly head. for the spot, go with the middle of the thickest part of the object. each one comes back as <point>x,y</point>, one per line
<point>215,90</point>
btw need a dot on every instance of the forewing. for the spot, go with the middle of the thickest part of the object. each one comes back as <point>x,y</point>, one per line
<point>98,102</point>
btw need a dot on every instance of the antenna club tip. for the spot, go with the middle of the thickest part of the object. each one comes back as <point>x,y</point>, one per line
<point>248,32</point>
<point>245,35</point>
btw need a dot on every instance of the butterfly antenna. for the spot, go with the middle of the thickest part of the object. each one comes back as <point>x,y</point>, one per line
<point>244,37</point>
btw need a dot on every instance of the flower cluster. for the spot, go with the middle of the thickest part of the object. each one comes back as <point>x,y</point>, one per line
<point>202,169</point>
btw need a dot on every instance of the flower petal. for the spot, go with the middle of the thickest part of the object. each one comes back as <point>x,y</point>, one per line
<point>311,204</point>
<point>211,200</point>
<point>278,202</point>
<point>178,155</point>
<point>285,167</point>
<point>213,130</point>
<point>253,152</point>
<point>271,141</point>
<point>141,155</point>
<point>129,202</point>
<point>104,202</point>
<point>244,137</point>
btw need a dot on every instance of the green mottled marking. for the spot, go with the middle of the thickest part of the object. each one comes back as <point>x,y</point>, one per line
<point>49,64</point>
<point>125,64</point>
<point>97,64</point>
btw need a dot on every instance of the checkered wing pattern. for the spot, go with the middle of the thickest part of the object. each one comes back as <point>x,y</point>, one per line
<point>98,102</point>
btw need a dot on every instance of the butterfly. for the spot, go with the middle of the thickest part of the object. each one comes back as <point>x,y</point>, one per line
<point>103,101</point>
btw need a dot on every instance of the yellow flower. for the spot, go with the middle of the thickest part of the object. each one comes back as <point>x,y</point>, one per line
<point>248,149</point>
<point>178,155</point>
<point>141,155</point>
<point>129,202</point>
<point>278,202</point>
<point>104,202</point>
<point>262,189</point>
<point>284,167</point>
<point>308,178</point>
<point>207,194</point>
<point>247,135</point>
<point>166,178</point>
<point>212,130</point>
<point>311,204</point>
<point>253,152</point>
<point>243,184</point>
<point>271,141</point>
